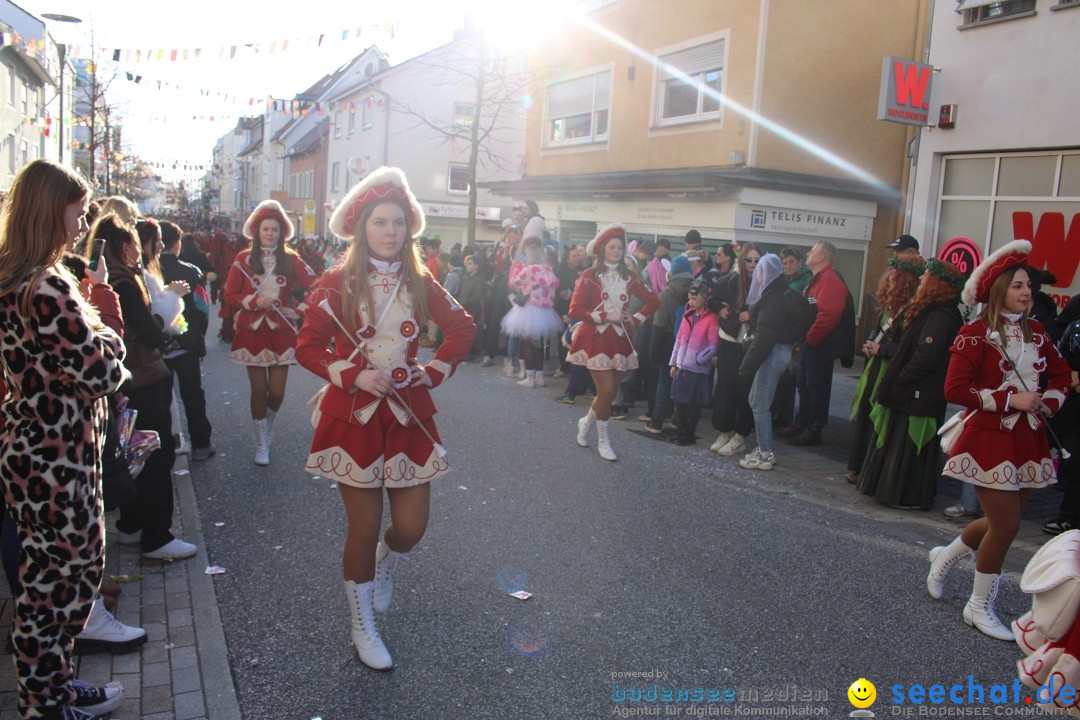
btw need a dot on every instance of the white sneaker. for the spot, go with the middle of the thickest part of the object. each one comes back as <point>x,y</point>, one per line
<point>755,460</point>
<point>558,374</point>
<point>508,369</point>
<point>721,441</point>
<point>539,379</point>
<point>734,446</point>
<point>175,549</point>
<point>97,701</point>
<point>486,362</point>
<point>105,632</point>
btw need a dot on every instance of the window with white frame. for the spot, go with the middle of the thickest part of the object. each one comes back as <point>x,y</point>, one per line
<point>337,124</point>
<point>352,118</point>
<point>976,12</point>
<point>13,82</point>
<point>457,180</point>
<point>463,115</point>
<point>367,113</point>
<point>690,82</point>
<point>577,109</point>
<point>335,177</point>
<point>10,141</point>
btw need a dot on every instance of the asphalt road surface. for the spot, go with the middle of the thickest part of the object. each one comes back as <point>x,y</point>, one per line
<point>668,561</point>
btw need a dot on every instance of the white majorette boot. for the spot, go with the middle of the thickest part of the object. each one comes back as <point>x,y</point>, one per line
<point>584,425</point>
<point>538,376</point>
<point>603,443</point>
<point>383,592</point>
<point>262,443</point>
<point>942,558</point>
<point>979,611</point>
<point>529,381</point>
<point>270,415</point>
<point>508,368</point>
<point>365,635</point>
<point>521,373</point>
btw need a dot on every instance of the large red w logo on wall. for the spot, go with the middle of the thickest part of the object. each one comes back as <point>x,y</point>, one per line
<point>1051,246</point>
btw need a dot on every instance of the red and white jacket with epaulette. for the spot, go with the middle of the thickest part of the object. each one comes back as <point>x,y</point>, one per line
<point>323,348</point>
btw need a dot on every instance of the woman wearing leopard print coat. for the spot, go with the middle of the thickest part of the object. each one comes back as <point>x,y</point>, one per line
<point>59,362</point>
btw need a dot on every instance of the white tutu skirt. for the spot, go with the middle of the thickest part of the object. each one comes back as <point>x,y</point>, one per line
<point>531,322</point>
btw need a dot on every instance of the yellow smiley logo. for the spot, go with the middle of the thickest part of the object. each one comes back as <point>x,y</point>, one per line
<point>862,693</point>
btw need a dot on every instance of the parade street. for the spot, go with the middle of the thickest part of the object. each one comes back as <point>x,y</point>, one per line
<point>671,563</point>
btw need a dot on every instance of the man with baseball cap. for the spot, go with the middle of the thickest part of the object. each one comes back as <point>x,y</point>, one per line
<point>905,248</point>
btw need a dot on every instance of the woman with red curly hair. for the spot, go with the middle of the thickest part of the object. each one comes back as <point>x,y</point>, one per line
<point>895,290</point>
<point>901,465</point>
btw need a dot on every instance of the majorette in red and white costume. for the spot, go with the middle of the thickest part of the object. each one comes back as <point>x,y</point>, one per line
<point>263,338</point>
<point>362,440</point>
<point>999,447</point>
<point>1048,633</point>
<point>599,344</point>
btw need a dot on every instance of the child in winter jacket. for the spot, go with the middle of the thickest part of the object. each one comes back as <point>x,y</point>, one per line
<point>691,367</point>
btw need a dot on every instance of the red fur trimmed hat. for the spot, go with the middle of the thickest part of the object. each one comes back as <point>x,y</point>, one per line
<point>267,210</point>
<point>1010,255</point>
<point>384,183</point>
<point>596,245</point>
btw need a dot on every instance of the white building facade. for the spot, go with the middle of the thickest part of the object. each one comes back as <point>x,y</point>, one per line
<point>1010,168</point>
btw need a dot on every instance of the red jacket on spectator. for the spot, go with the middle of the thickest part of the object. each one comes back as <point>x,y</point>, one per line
<point>828,292</point>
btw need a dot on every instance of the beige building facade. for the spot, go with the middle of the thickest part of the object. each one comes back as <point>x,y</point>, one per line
<point>748,120</point>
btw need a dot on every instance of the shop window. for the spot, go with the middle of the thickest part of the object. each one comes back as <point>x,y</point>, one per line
<point>457,182</point>
<point>969,176</point>
<point>963,218</point>
<point>1027,176</point>
<point>696,97</point>
<point>978,12</point>
<point>1070,176</point>
<point>577,110</point>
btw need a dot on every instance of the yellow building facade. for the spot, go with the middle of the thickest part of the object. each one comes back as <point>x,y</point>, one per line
<point>748,120</point>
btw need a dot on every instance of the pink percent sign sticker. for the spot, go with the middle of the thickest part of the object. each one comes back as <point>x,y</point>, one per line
<point>963,253</point>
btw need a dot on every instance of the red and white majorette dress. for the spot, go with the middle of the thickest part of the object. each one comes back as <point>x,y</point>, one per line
<point>263,338</point>
<point>362,440</point>
<point>599,344</point>
<point>999,447</point>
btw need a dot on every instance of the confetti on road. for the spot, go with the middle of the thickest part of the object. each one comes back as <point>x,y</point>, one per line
<point>521,595</point>
<point>181,472</point>
<point>219,524</point>
<point>214,570</point>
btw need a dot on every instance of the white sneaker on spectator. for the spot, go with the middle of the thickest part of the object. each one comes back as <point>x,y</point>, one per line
<point>486,362</point>
<point>734,446</point>
<point>104,632</point>
<point>757,461</point>
<point>175,549</point>
<point>721,441</point>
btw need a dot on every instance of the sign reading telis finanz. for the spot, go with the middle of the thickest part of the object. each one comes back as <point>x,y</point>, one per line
<point>905,91</point>
<point>802,222</point>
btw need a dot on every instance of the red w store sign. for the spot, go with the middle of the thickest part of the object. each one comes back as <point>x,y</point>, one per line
<point>905,91</point>
<point>1055,246</point>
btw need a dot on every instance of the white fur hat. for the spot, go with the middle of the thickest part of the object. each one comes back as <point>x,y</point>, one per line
<point>1009,255</point>
<point>384,183</point>
<point>596,245</point>
<point>266,210</point>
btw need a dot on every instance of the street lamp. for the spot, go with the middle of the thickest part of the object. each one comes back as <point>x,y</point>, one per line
<point>61,49</point>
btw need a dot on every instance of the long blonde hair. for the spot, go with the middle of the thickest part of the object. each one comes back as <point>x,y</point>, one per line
<point>33,235</point>
<point>354,284</point>
<point>995,304</point>
<point>127,211</point>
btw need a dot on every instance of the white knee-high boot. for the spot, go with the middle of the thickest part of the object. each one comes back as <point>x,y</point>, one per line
<point>383,593</point>
<point>603,444</point>
<point>365,635</point>
<point>942,558</point>
<point>270,415</point>
<point>262,443</point>
<point>979,611</point>
<point>584,425</point>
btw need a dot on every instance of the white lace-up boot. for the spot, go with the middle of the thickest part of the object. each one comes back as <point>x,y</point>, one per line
<point>262,443</point>
<point>383,592</point>
<point>979,611</point>
<point>603,444</point>
<point>942,558</point>
<point>270,415</point>
<point>584,425</point>
<point>365,635</point>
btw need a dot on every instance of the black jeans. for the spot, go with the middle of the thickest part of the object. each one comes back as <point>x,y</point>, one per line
<point>661,343</point>
<point>186,369</point>
<point>814,381</point>
<point>152,511</point>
